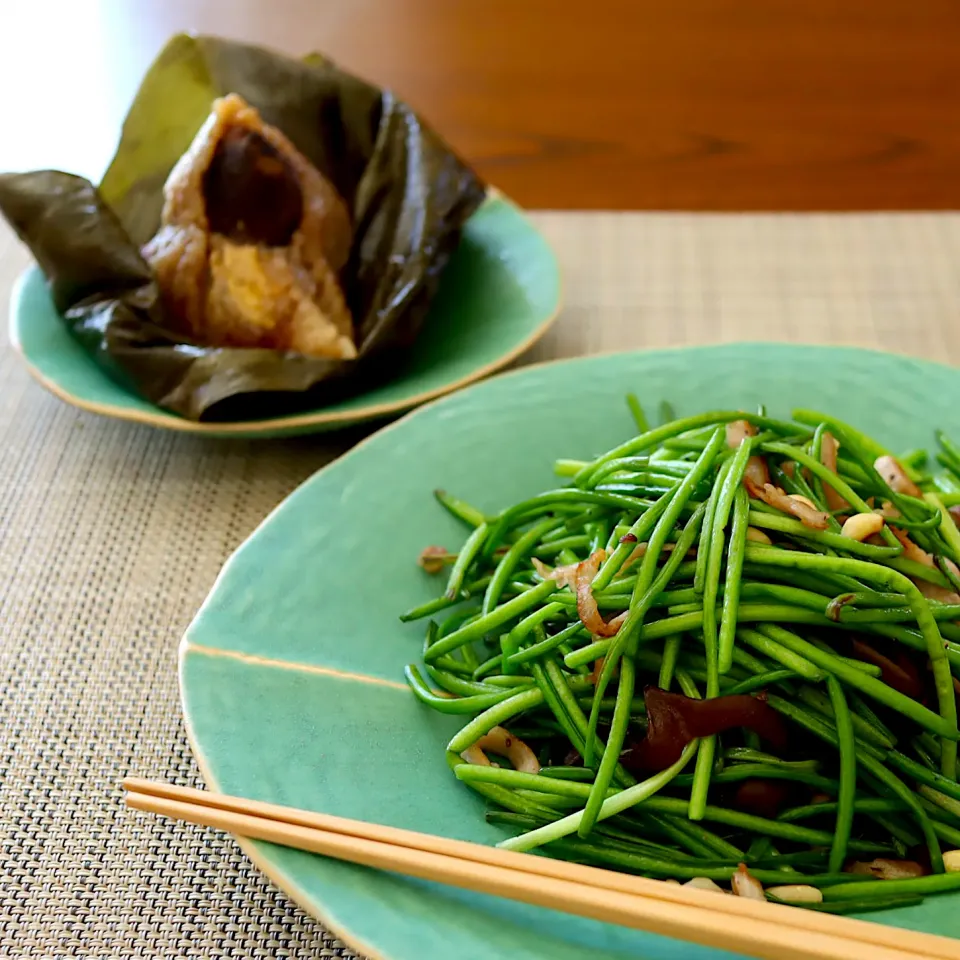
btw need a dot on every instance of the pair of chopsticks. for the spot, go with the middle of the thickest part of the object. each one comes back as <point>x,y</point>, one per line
<point>766,930</point>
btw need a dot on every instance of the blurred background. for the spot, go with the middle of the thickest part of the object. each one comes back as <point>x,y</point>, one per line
<point>637,104</point>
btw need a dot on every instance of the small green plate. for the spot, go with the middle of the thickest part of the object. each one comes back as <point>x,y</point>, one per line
<point>499,295</point>
<point>292,673</point>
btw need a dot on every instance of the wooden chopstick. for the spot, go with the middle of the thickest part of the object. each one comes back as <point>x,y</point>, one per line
<point>764,930</point>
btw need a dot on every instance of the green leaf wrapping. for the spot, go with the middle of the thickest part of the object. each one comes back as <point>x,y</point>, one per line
<point>408,193</point>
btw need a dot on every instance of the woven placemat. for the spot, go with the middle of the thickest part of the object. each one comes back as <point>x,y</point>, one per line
<point>111,535</point>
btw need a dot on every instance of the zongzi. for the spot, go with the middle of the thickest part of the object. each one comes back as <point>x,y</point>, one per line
<point>252,241</point>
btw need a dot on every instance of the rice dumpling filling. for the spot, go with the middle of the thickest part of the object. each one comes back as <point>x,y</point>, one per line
<point>252,241</point>
<point>251,191</point>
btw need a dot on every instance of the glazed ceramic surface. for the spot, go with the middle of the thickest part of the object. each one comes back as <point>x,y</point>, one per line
<point>292,673</point>
<point>499,294</point>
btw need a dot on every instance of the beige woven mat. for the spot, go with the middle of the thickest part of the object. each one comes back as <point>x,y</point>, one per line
<point>110,536</point>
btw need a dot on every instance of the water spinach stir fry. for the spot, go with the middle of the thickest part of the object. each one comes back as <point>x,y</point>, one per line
<point>723,653</point>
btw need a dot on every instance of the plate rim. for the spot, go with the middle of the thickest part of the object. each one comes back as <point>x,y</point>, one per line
<point>251,850</point>
<point>298,422</point>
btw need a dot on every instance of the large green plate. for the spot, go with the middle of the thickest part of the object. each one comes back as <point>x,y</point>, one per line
<point>292,671</point>
<point>499,294</point>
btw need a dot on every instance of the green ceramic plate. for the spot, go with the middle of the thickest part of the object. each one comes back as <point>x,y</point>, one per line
<point>500,293</point>
<point>292,671</point>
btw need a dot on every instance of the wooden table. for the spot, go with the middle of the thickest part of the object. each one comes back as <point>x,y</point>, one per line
<point>705,104</point>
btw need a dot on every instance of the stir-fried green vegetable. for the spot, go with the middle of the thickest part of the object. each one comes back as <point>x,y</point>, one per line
<point>730,640</point>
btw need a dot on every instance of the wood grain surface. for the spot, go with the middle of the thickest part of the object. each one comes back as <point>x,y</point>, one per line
<point>702,105</point>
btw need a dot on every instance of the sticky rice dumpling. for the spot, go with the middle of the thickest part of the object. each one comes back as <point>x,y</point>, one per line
<point>252,242</point>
